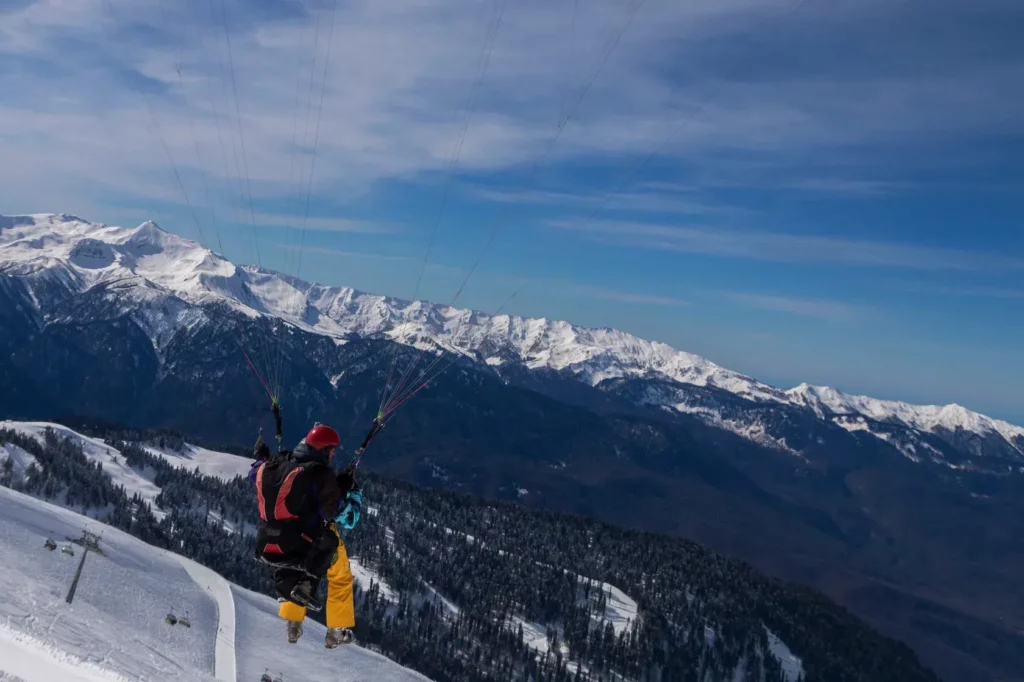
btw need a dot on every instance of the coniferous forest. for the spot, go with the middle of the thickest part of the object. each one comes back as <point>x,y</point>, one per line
<point>468,589</point>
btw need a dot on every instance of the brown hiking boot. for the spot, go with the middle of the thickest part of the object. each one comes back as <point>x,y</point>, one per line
<point>294,631</point>
<point>337,636</point>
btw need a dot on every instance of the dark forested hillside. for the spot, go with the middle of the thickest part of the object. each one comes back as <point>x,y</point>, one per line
<point>467,589</point>
<point>845,511</point>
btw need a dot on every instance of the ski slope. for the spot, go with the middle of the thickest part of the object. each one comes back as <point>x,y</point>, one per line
<point>116,621</point>
<point>26,658</point>
<point>209,462</point>
<point>115,631</point>
<point>262,644</point>
<point>95,449</point>
<point>20,460</point>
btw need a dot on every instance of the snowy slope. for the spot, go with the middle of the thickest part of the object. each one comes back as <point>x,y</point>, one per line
<point>114,630</point>
<point>113,461</point>
<point>19,459</point>
<point>262,644</point>
<point>219,464</point>
<point>116,619</point>
<point>27,658</point>
<point>824,401</point>
<point>160,278</point>
<point>792,665</point>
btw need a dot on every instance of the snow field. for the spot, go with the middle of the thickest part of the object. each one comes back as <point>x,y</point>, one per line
<point>112,460</point>
<point>792,666</point>
<point>27,659</point>
<point>114,630</point>
<point>220,590</point>
<point>262,644</point>
<point>19,458</point>
<point>211,463</point>
<point>116,621</point>
<point>364,576</point>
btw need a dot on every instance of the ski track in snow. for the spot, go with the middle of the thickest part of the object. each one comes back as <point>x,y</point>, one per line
<point>220,590</point>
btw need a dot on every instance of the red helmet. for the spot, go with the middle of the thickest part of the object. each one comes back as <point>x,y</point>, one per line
<point>320,437</point>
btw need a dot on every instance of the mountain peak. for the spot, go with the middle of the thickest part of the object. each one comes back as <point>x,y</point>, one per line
<point>185,269</point>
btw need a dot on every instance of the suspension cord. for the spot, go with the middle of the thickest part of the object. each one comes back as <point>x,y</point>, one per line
<point>375,428</point>
<point>275,408</point>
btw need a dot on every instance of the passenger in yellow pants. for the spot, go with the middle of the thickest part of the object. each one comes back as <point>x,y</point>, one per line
<point>341,614</point>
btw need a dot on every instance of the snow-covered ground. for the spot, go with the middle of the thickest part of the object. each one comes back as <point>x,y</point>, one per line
<point>262,644</point>
<point>366,576</point>
<point>209,462</point>
<point>20,459</point>
<point>220,590</point>
<point>27,658</point>
<point>220,464</point>
<point>112,460</point>
<point>115,631</point>
<point>620,609</point>
<point>116,620</point>
<point>792,666</point>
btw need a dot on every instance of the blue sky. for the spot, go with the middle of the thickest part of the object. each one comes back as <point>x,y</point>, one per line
<point>826,192</point>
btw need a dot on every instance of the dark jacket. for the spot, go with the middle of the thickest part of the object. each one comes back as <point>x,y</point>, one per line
<point>327,498</point>
<point>297,488</point>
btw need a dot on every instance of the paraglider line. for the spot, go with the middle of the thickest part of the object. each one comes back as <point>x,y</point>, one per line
<point>471,110</point>
<point>241,131</point>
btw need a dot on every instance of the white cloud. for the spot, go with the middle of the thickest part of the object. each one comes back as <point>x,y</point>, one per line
<point>398,77</point>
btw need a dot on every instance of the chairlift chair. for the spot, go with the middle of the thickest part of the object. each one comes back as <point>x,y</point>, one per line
<point>185,621</point>
<point>50,544</point>
<point>68,549</point>
<point>171,619</point>
<point>266,676</point>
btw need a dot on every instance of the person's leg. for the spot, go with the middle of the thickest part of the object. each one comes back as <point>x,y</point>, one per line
<point>340,607</point>
<point>285,580</point>
<point>291,612</point>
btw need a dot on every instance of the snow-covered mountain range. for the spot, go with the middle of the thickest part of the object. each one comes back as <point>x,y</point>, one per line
<point>163,281</point>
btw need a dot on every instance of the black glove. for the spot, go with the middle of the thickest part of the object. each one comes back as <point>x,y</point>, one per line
<point>347,481</point>
<point>262,451</point>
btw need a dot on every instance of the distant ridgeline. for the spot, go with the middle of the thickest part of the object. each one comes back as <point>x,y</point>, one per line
<point>462,589</point>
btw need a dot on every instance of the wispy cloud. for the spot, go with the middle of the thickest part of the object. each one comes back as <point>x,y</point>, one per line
<point>398,77</point>
<point>968,290</point>
<point>343,253</point>
<point>830,311</point>
<point>320,223</point>
<point>850,186</point>
<point>625,297</point>
<point>662,200</point>
<point>789,248</point>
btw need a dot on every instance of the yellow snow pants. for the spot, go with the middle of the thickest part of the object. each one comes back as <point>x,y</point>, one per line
<point>340,607</point>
